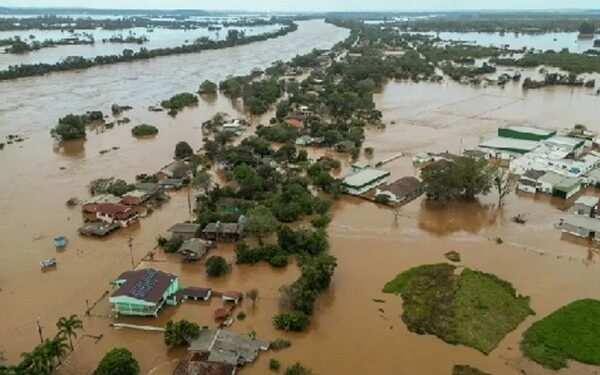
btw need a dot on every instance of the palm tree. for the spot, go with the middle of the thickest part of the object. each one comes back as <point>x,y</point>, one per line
<point>57,347</point>
<point>67,328</point>
<point>38,361</point>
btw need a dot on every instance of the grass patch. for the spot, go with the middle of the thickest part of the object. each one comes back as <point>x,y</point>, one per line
<point>571,332</point>
<point>467,370</point>
<point>471,308</point>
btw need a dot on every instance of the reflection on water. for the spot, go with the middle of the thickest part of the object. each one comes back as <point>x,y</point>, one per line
<point>468,217</point>
<point>73,149</point>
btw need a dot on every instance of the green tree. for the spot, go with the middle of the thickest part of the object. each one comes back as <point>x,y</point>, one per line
<point>216,266</point>
<point>68,327</point>
<point>208,87</point>
<point>181,333</point>
<point>183,150</point>
<point>587,28</point>
<point>57,348</point>
<point>119,361</point>
<point>298,369</point>
<point>260,222</point>
<point>292,321</point>
<point>69,127</point>
<point>463,178</point>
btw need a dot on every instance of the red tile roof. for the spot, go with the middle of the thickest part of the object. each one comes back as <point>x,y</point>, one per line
<point>294,122</point>
<point>119,211</point>
<point>148,284</point>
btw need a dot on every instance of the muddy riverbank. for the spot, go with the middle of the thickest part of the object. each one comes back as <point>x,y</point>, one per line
<point>349,333</point>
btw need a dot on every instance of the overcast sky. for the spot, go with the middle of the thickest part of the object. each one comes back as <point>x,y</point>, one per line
<point>310,5</point>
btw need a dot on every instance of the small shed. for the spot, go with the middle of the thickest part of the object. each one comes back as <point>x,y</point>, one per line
<point>586,205</point>
<point>581,226</point>
<point>232,296</point>
<point>195,248</point>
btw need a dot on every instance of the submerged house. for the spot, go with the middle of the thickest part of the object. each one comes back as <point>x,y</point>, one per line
<point>185,231</point>
<point>364,180</point>
<point>195,248</point>
<point>143,292</point>
<point>399,191</point>
<point>586,205</point>
<point>220,346</point>
<point>224,231</point>
<point>559,185</point>
<point>91,205</point>
<point>581,226</point>
<point>528,182</point>
<point>116,213</point>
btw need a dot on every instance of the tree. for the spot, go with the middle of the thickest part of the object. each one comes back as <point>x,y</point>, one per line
<point>183,150</point>
<point>144,130</point>
<point>587,28</point>
<point>69,127</point>
<point>293,321</point>
<point>260,222</point>
<point>67,327</point>
<point>252,295</point>
<point>180,333</point>
<point>216,266</point>
<point>503,184</point>
<point>119,361</point>
<point>57,348</point>
<point>208,87</point>
<point>298,369</point>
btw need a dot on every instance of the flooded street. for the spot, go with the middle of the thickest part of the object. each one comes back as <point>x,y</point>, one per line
<point>350,333</point>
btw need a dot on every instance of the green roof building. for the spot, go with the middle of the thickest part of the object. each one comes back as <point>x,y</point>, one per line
<point>143,292</point>
<point>526,133</point>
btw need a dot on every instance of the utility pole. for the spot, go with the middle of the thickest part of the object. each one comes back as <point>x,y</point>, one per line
<point>130,244</point>
<point>39,327</point>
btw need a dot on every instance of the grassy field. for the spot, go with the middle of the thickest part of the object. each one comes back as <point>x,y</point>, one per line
<point>471,308</point>
<point>570,333</point>
<point>467,370</point>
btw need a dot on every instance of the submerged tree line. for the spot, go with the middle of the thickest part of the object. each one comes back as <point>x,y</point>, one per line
<point>234,38</point>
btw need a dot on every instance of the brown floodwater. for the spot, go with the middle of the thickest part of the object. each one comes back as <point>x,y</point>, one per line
<point>350,333</point>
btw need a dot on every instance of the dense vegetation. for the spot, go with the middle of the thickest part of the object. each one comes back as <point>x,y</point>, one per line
<point>464,178</point>
<point>144,130</point>
<point>73,126</point>
<point>569,333</point>
<point>570,62</point>
<point>216,266</point>
<point>78,62</point>
<point>179,101</point>
<point>473,308</point>
<point>208,87</point>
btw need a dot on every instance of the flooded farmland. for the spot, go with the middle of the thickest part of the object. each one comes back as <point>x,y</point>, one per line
<point>350,333</point>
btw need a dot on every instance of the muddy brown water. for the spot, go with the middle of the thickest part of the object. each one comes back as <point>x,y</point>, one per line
<point>349,334</point>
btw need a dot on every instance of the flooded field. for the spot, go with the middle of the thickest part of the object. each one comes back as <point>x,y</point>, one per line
<point>350,333</point>
<point>158,38</point>
<point>554,41</point>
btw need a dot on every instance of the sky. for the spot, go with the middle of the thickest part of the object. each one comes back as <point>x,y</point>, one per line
<point>311,5</point>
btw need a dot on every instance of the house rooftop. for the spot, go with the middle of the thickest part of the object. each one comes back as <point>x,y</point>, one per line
<point>228,228</point>
<point>581,221</point>
<point>594,173</point>
<point>196,363</point>
<point>147,284</point>
<point>226,346</point>
<point>567,183</point>
<point>510,144</point>
<point>551,178</point>
<point>104,198</point>
<point>530,130</point>
<point>403,186</point>
<point>114,209</point>
<point>533,174</point>
<point>587,200</point>
<point>365,176</point>
<point>184,228</point>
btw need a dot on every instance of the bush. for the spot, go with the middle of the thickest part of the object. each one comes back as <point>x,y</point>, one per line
<point>208,87</point>
<point>274,364</point>
<point>279,344</point>
<point>144,130</point>
<point>119,361</point>
<point>298,369</point>
<point>69,127</point>
<point>216,266</point>
<point>292,321</point>
<point>241,315</point>
<point>279,261</point>
<point>172,245</point>
<point>183,150</point>
<point>180,333</point>
<point>179,101</point>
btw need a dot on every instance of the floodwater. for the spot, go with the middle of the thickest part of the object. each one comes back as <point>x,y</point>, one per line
<point>350,333</point>
<point>159,38</point>
<point>549,41</point>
